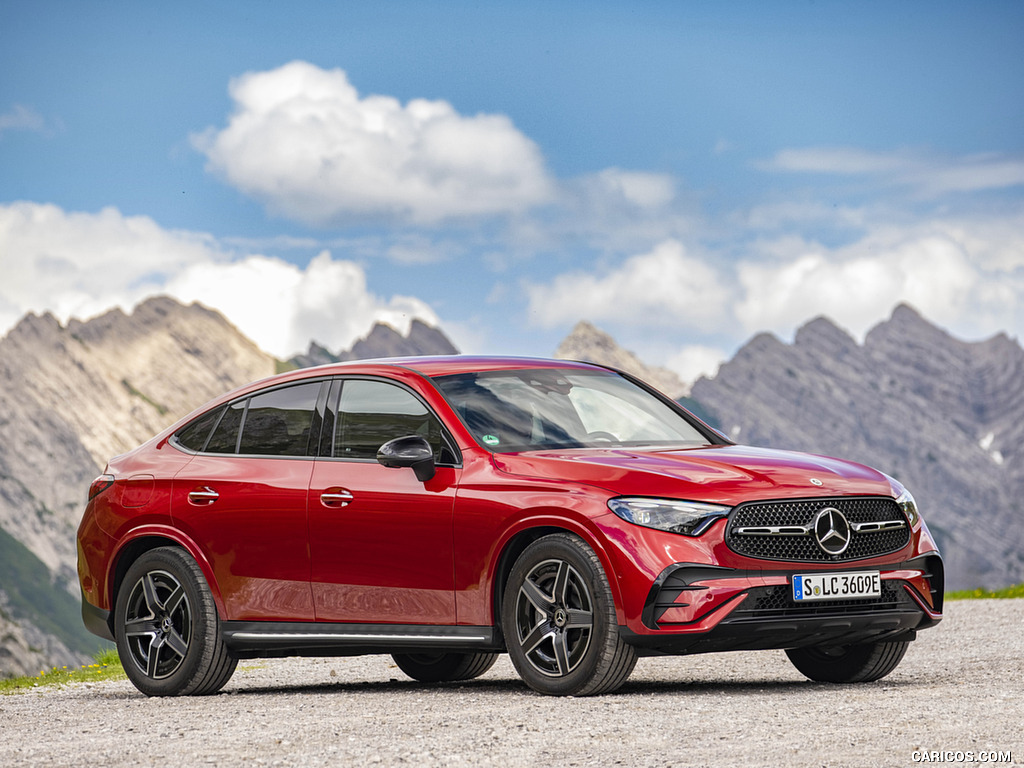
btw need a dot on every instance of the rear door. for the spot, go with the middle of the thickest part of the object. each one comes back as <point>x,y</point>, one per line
<point>243,500</point>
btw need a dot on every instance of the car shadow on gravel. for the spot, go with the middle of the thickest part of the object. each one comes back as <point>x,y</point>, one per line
<point>385,686</point>
<point>516,687</point>
<point>742,687</point>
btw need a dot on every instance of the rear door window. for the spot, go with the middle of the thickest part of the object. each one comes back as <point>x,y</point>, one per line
<point>278,422</point>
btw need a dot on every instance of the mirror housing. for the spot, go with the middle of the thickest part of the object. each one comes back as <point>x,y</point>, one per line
<point>410,451</point>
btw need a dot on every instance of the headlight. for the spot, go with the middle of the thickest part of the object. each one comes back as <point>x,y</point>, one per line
<point>909,507</point>
<point>690,518</point>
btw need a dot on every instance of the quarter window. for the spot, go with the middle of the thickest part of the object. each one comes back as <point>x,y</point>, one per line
<point>225,436</point>
<point>193,437</point>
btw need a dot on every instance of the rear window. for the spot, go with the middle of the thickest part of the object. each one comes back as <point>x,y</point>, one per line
<point>275,423</point>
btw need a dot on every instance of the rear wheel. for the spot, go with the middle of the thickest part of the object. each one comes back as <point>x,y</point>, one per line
<point>444,667</point>
<point>848,664</point>
<point>559,621</point>
<point>167,629</point>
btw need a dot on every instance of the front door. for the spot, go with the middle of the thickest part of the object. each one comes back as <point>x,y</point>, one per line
<point>381,540</point>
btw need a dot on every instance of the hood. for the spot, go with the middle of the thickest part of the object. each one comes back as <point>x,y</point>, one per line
<point>723,474</point>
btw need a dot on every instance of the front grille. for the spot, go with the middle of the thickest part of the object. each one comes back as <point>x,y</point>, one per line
<point>791,515</point>
<point>777,602</point>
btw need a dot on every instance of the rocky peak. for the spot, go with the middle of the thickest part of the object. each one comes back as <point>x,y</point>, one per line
<point>822,336</point>
<point>383,341</point>
<point>588,343</point>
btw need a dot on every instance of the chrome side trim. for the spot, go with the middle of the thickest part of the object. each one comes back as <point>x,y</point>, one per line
<point>352,636</point>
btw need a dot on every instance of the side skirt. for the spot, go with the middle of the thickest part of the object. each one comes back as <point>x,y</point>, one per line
<point>265,639</point>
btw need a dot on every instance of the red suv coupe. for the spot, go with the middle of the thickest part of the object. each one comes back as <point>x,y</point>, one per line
<point>446,510</point>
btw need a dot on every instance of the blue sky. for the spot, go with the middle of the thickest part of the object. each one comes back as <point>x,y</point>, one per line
<point>682,174</point>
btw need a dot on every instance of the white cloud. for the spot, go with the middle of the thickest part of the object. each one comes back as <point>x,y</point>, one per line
<point>929,174</point>
<point>940,269</point>
<point>965,275</point>
<point>22,118</point>
<point>615,187</point>
<point>283,307</point>
<point>696,360</point>
<point>303,142</point>
<point>81,264</point>
<point>664,287</point>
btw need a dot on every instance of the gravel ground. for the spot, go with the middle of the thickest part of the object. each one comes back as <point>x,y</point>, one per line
<point>958,689</point>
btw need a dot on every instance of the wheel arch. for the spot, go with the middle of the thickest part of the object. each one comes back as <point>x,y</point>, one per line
<point>517,540</point>
<point>144,540</point>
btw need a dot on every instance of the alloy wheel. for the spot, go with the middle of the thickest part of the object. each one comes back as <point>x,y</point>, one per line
<point>554,617</point>
<point>158,624</point>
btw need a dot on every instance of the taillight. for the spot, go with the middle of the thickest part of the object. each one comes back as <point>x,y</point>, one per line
<point>99,485</point>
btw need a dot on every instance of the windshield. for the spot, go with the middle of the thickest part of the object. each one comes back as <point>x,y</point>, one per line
<point>524,410</point>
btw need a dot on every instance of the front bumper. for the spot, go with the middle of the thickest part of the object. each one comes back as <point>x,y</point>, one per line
<point>699,608</point>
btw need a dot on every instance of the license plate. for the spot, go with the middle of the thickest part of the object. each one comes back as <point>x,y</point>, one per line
<point>837,586</point>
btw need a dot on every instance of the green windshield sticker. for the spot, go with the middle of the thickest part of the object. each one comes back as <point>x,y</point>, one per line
<point>491,440</point>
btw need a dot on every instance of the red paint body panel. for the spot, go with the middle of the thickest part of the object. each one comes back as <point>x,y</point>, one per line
<point>401,551</point>
<point>386,556</point>
<point>254,534</point>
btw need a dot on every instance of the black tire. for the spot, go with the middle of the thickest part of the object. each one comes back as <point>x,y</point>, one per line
<point>848,664</point>
<point>167,629</point>
<point>558,619</point>
<point>444,667</point>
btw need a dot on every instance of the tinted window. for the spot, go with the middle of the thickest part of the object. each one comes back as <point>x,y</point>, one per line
<point>225,435</point>
<point>372,412</point>
<point>194,435</point>
<point>278,422</point>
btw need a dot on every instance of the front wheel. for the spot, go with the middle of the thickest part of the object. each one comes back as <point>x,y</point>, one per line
<point>848,664</point>
<point>167,629</point>
<point>559,621</point>
<point>444,667</point>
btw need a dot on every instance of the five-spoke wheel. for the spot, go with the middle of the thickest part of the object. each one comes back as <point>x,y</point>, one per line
<point>167,628</point>
<point>157,624</point>
<point>559,621</point>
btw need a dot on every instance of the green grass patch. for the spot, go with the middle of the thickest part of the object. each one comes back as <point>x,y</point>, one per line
<point>987,594</point>
<point>107,666</point>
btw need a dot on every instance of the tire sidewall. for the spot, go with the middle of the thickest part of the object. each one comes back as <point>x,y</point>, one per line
<point>187,675</point>
<point>576,553</point>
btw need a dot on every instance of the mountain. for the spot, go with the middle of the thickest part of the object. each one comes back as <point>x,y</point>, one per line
<point>383,341</point>
<point>72,397</point>
<point>943,416</point>
<point>593,345</point>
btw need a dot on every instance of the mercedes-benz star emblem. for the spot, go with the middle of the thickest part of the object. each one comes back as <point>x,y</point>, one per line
<point>832,530</point>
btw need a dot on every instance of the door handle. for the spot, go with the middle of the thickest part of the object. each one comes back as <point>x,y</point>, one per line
<point>336,497</point>
<point>203,495</point>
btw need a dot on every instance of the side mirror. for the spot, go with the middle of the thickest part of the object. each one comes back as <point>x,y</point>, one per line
<point>410,451</point>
